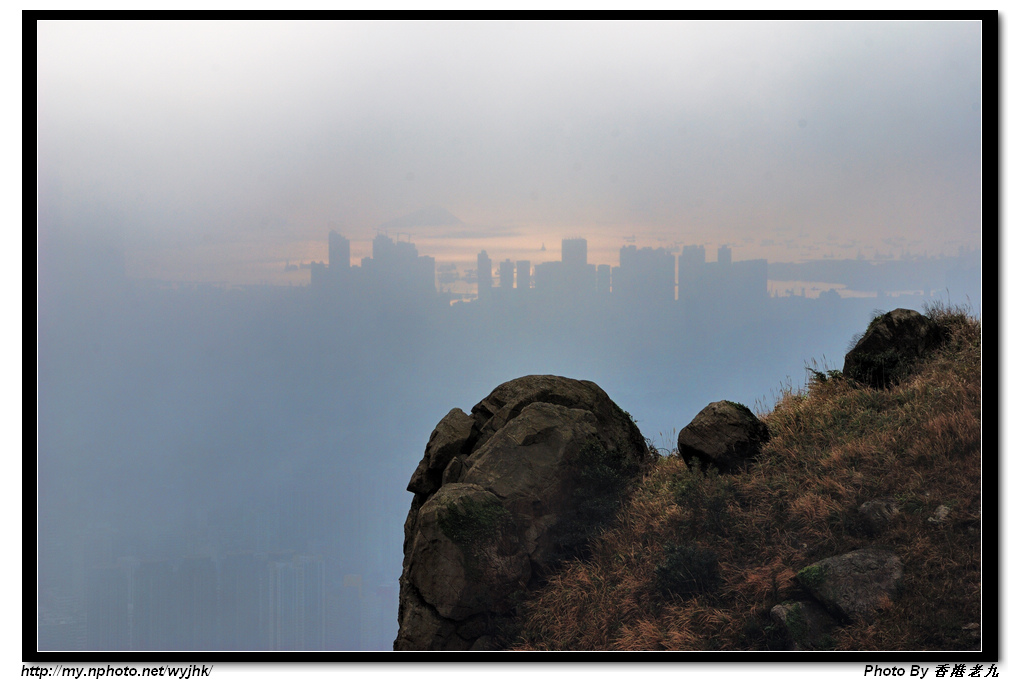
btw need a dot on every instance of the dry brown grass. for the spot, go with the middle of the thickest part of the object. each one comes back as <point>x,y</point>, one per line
<point>833,447</point>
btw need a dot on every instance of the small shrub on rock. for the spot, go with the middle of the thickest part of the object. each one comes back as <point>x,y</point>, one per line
<point>474,522</point>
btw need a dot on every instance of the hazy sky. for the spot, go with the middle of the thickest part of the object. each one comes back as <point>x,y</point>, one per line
<point>220,149</point>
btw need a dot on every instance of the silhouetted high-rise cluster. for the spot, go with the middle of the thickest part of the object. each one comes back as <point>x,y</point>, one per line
<point>243,601</point>
<point>653,278</point>
<point>393,269</point>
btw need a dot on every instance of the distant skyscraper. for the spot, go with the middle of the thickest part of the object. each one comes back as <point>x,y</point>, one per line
<point>351,598</point>
<point>242,615</point>
<point>339,251</point>
<point>318,274</point>
<point>574,252</point>
<point>524,274</point>
<point>692,255</point>
<point>394,271</point>
<point>484,274</point>
<point>109,611</point>
<point>571,278</point>
<point>157,612</point>
<point>395,268</point>
<point>692,287</point>
<point>506,274</point>
<point>297,608</point>
<point>312,599</point>
<point>703,289</point>
<point>196,581</point>
<point>603,279</point>
<point>645,274</point>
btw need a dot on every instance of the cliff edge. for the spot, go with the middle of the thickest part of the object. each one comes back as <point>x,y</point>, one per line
<point>503,496</point>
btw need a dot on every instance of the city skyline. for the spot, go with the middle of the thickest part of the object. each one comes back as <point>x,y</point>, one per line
<point>465,279</point>
<point>538,244</point>
<point>225,160</point>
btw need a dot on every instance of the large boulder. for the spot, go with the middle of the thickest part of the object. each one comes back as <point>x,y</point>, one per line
<point>724,434</point>
<point>856,585</point>
<point>889,348</point>
<point>502,496</point>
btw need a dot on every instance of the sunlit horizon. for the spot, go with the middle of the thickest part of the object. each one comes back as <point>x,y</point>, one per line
<point>235,264</point>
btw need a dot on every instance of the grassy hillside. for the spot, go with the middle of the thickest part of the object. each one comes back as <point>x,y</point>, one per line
<point>696,560</point>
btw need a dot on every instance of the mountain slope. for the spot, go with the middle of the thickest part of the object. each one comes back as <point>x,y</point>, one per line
<point>697,561</point>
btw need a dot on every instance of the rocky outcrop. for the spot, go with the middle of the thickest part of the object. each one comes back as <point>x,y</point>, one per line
<point>856,585</point>
<point>841,589</point>
<point>724,434</point>
<point>891,345</point>
<point>506,493</point>
<point>501,497</point>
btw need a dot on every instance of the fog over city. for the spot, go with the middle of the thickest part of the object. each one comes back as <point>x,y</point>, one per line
<point>273,255</point>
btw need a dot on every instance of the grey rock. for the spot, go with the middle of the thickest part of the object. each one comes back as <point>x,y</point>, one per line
<point>856,585</point>
<point>890,347</point>
<point>432,631</point>
<point>468,573</point>
<point>453,471</point>
<point>940,515</point>
<point>806,624</point>
<point>453,435</point>
<point>508,399</point>
<point>528,464</point>
<point>878,514</point>
<point>496,505</point>
<point>724,434</point>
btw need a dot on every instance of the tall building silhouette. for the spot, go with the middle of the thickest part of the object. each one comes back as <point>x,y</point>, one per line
<point>339,251</point>
<point>569,280</point>
<point>484,274</point>
<point>351,606</point>
<point>523,274</point>
<point>297,604</point>
<point>506,274</point>
<point>645,274</point>
<point>157,613</point>
<point>109,617</point>
<point>690,276</point>
<point>197,596</point>
<point>334,275</point>
<point>396,268</point>
<point>603,279</point>
<point>243,579</point>
<point>739,289</point>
